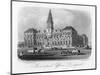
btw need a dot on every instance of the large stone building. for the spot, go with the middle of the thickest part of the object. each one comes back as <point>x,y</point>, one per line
<point>51,37</point>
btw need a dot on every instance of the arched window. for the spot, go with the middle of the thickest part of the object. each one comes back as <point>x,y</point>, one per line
<point>58,42</point>
<point>52,43</point>
<point>55,43</point>
<point>66,43</point>
<point>62,42</point>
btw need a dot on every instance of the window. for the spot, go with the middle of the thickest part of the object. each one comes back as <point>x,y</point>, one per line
<point>66,42</point>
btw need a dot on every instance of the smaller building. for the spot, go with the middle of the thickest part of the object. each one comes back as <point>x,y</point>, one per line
<point>21,44</point>
<point>85,40</point>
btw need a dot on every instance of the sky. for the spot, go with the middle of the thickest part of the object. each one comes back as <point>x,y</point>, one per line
<point>36,17</point>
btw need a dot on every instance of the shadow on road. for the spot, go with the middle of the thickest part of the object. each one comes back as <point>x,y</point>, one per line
<point>71,57</point>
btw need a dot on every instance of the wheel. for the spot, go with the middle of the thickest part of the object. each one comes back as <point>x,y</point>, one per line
<point>20,55</point>
<point>78,52</point>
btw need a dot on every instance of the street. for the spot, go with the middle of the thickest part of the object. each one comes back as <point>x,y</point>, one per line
<point>56,54</point>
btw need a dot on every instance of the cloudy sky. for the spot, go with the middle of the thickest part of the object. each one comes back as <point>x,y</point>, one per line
<point>35,17</point>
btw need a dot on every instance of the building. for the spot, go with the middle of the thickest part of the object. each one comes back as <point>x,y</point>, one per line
<point>29,37</point>
<point>50,37</point>
<point>85,40</point>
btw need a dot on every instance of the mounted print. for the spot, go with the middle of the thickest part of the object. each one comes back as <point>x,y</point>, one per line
<point>52,37</point>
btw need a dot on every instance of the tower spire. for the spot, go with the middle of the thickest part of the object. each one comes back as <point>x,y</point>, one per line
<point>50,23</point>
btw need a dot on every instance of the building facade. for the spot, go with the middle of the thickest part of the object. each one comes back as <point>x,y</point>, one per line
<point>50,37</point>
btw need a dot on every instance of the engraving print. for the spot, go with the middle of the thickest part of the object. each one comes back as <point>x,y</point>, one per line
<point>53,42</point>
<point>52,37</point>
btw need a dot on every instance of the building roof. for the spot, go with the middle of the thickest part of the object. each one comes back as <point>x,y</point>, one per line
<point>31,30</point>
<point>68,28</point>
